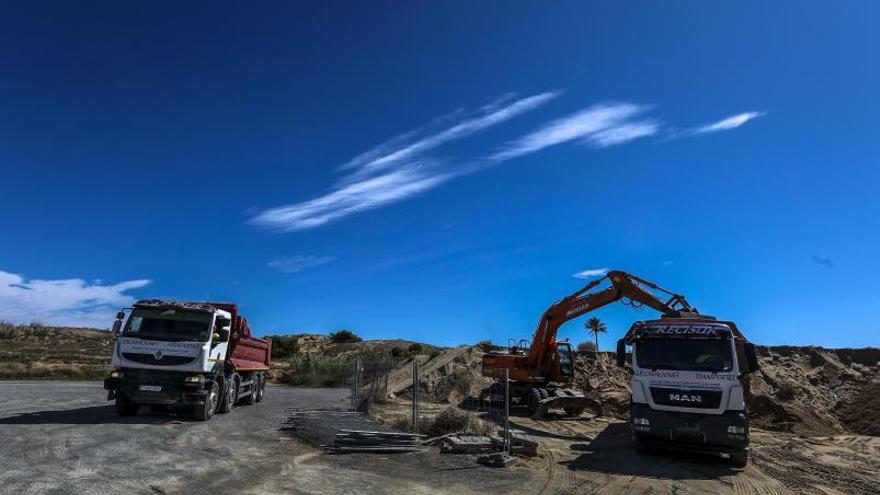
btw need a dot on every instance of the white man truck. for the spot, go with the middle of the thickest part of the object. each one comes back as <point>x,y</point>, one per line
<point>198,354</point>
<point>689,385</point>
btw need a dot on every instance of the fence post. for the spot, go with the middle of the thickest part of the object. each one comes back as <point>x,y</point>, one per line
<point>415,397</point>
<point>507,411</point>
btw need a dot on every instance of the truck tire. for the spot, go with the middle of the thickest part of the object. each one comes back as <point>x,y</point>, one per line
<point>125,407</point>
<point>251,398</point>
<point>205,411</point>
<point>261,389</point>
<point>739,459</point>
<point>230,395</point>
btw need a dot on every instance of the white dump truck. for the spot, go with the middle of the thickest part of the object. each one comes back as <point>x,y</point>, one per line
<point>198,354</point>
<point>689,385</point>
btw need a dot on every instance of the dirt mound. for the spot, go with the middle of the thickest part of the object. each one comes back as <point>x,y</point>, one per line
<point>451,376</point>
<point>598,376</point>
<point>808,389</point>
<point>862,415</point>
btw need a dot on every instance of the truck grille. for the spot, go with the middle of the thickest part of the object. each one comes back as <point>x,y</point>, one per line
<point>151,359</point>
<point>701,399</point>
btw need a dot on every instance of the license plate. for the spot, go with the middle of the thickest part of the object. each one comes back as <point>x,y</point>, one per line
<point>150,388</point>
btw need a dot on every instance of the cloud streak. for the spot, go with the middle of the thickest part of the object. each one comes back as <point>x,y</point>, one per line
<point>70,302</point>
<point>591,273</point>
<point>728,123</point>
<point>404,167</point>
<point>393,171</point>
<point>294,264</point>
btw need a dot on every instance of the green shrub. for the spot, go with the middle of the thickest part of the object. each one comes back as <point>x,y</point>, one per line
<point>415,349</point>
<point>399,352</point>
<point>284,346</point>
<point>586,347</point>
<point>307,370</point>
<point>345,336</point>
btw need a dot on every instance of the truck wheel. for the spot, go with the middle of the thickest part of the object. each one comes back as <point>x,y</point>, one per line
<point>739,459</point>
<point>229,397</point>
<point>251,398</point>
<point>261,390</point>
<point>125,407</point>
<point>205,411</point>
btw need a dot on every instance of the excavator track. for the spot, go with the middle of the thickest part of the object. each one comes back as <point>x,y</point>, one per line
<point>573,402</point>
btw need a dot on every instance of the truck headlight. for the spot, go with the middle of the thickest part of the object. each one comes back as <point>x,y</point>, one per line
<point>737,430</point>
<point>641,421</point>
<point>195,379</point>
<point>117,374</point>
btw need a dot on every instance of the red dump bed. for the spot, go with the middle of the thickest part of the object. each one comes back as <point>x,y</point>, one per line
<point>246,352</point>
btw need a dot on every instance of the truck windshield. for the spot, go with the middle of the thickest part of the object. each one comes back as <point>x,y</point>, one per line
<point>684,354</point>
<point>172,324</point>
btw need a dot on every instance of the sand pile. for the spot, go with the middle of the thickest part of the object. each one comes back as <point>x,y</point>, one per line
<point>817,391</point>
<point>598,376</point>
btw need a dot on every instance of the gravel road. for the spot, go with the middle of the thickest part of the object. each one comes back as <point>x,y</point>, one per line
<point>64,438</point>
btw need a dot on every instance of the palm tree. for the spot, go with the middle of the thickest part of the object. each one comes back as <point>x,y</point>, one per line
<point>595,326</point>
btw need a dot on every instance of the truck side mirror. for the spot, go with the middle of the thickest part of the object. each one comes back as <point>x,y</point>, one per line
<point>621,353</point>
<point>751,357</point>
<point>120,315</point>
<point>117,326</point>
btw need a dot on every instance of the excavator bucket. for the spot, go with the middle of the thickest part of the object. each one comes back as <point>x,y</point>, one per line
<point>571,401</point>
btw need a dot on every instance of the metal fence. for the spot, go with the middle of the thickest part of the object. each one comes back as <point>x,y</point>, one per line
<point>369,384</point>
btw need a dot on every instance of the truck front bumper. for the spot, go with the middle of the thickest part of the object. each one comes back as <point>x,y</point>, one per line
<point>726,433</point>
<point>156,387</point>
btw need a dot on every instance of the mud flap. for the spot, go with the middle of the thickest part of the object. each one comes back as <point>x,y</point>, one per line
<point>566,398</point>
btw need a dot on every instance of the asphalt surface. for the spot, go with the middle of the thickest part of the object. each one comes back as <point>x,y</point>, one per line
<point>64,438</point>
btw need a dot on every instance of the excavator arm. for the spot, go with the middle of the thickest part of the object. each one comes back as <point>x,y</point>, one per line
<point>625,287</point>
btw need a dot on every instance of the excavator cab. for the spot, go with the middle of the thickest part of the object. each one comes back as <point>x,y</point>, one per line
<point>566,359</point>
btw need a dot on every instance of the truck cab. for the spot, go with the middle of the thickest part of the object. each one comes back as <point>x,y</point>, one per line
<point>689,385</point>
<point>185,353</point>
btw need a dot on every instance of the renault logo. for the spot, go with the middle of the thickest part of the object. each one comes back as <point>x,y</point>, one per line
<point>158,355</point>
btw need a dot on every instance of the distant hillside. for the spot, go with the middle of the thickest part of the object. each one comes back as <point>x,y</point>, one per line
<point>40,352</point>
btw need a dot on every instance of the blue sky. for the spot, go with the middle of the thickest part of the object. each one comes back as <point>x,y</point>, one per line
<point>440,172</point>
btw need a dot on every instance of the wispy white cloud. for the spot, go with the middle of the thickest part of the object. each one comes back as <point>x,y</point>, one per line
<point>403,167</point>
<point>612,119</point>
<point>624,133</point>
<point>728,123</point>
<point>358,196</point>
<point>591,273</point>
<point>293,264</point>
<point>71,302</point>
<point>394,170</point>
<point>494,114</point>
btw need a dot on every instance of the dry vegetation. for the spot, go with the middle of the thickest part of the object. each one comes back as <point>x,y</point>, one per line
<point>35,351</point>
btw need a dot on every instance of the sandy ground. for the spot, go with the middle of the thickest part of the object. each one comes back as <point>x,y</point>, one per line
<point>62,437</point>
<point>594,456</point>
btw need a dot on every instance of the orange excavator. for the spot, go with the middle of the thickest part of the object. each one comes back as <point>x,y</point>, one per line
<point>540,374</point>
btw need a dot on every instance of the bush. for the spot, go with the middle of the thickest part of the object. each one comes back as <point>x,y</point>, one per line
<point>415,349</point>
<point>307,370</point>
<point>450,420</point>
<point>284,346</point>
<point>485,345</point>
<point>586,347</point>
<point>399,352</point>
<point>345,337</point>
